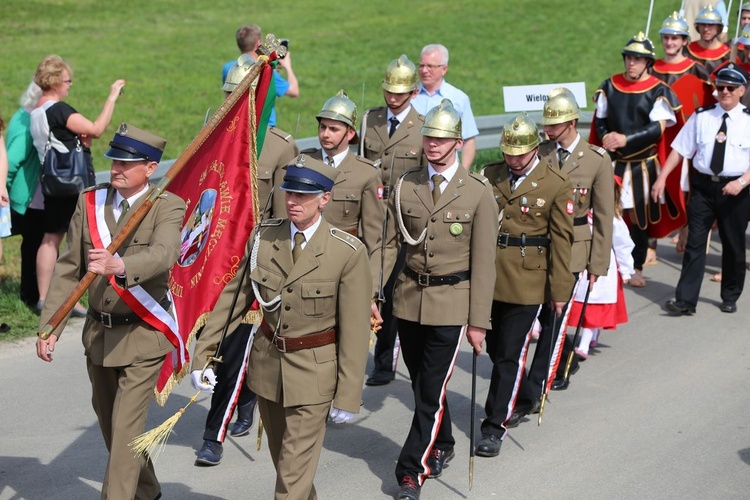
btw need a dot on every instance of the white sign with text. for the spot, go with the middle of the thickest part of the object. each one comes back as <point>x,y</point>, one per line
<point>533,97</point>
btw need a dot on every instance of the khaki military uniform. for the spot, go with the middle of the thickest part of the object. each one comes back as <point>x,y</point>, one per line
<point>279,149</point>
<point>589,169</point>
<point>355,205</point>
<point>533,267</point>
<point>460,234</point>
<point>545,195</point>
<point>327,288</point>
<point>123,361</point>
<point>397,154</point>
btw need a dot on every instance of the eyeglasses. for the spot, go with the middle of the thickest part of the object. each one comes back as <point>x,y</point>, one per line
<point>431,67</point>
<point>68,81</point>
<point>722,88</point>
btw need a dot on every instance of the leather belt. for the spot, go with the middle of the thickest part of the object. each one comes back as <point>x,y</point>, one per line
<point>291,344</point>
<point>506,240</point>
<point>581,221</point>
<point>719,179</point>
<point>426,279</point>
<point>109,320</point>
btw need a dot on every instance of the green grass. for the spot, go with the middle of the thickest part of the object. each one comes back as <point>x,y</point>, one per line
<point>22,321</point>
<point>171,54</point>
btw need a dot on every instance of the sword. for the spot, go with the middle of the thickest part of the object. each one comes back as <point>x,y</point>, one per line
<point>553,316</point>
<point>473,415</point>
<point>577,336</point>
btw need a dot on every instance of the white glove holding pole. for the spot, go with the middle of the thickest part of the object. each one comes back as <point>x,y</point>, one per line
<point>341,416</point>
<point>204,380</point>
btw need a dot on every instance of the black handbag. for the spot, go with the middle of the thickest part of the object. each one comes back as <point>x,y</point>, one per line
<point>65,174</point>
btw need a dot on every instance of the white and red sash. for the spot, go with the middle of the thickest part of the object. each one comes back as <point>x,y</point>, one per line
<point>138,299</point>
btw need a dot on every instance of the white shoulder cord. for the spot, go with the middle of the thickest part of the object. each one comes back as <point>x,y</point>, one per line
<point>275,302</point>
<point>407,237</point>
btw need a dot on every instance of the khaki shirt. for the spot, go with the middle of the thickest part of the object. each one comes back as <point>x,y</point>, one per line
<point>591,175</point>
<point>461,235</point>
<point>541,205</point>
<point>397,154</point>
<point>327,288</point>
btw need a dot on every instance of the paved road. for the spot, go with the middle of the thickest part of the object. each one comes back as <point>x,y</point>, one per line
<point>659,411</point>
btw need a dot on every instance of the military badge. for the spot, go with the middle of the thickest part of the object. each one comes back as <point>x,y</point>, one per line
<point>540,202</point>
<point>456,228</point>
<point>721,137</point>
<point>569,207</point>
<point>534,184</point>
<point>380,192</point>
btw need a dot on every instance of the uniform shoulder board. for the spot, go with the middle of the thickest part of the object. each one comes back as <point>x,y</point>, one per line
<point>366,161</point>
<point>103,185</point>
<point>347,238</point>
<point>745,110</point>
<point>271,222</point>
<point>280,133</point>
<point>598,150</point>
<point>309,151</point>
<point>705,108</point>
<point>479,177</point>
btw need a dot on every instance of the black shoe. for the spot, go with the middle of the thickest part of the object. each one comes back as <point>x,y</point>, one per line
<point>210,453</point>
<point>437,460</point>
<point>245,418</point>
<point>488,446</point>
<point>379,377</point>
<point>520,412</point>
<point>728,307</point>
<point>679,308</point>
<point>409,489</point>
<point>560,384</point>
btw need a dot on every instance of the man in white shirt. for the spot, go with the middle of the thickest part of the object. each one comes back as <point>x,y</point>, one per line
<point>433,65</point>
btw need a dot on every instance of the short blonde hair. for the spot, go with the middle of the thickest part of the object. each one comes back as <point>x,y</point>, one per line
<point>49,72</point>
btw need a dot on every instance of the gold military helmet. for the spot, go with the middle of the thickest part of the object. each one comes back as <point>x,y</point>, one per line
<point>400,76</point>
<point>639,46</point>
<point>708,15</point>
<point>744,37</point>
<point>675,25</point>
<point>442,121</point>
<point>237,73</point>
<point>561,107</point>
<point>520,135</point>
<point>342,109</point>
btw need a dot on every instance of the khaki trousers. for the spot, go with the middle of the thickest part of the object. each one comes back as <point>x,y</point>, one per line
<point>120,396</point>
<point>295,438</point>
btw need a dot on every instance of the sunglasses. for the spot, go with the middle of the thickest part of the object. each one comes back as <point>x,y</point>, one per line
<point>722,88</point>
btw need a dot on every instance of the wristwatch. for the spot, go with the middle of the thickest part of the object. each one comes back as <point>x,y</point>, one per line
<point>742,181</point>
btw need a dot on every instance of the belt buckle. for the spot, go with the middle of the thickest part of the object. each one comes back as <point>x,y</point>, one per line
<point>276,340</point>
<point>105,319</point>
<point>423,279</point>
<point>502,240</point>
<point>715,178</point>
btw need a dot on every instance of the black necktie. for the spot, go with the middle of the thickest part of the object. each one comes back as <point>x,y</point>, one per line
<point>720,147</point>
<point>394,124</point>
<point>564,153</point>
<point>512,180</point>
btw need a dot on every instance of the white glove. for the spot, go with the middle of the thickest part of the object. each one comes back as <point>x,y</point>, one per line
<point>208,382</point>
<point>341,416</point>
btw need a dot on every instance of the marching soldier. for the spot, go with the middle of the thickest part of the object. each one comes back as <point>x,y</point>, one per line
<point>632,111</point>
<point>675,36</point>
<point>356,205</point>
<point>391,135</point>
<point>124,349</point>
<point>589,169</point>
<point>308,356</point>
<point>709,49</point>
<point>532,263</point>
<point>447,220</point>
<point>230,392</point>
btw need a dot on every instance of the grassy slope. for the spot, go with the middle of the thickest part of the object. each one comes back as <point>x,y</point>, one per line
<point>171,53</point>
